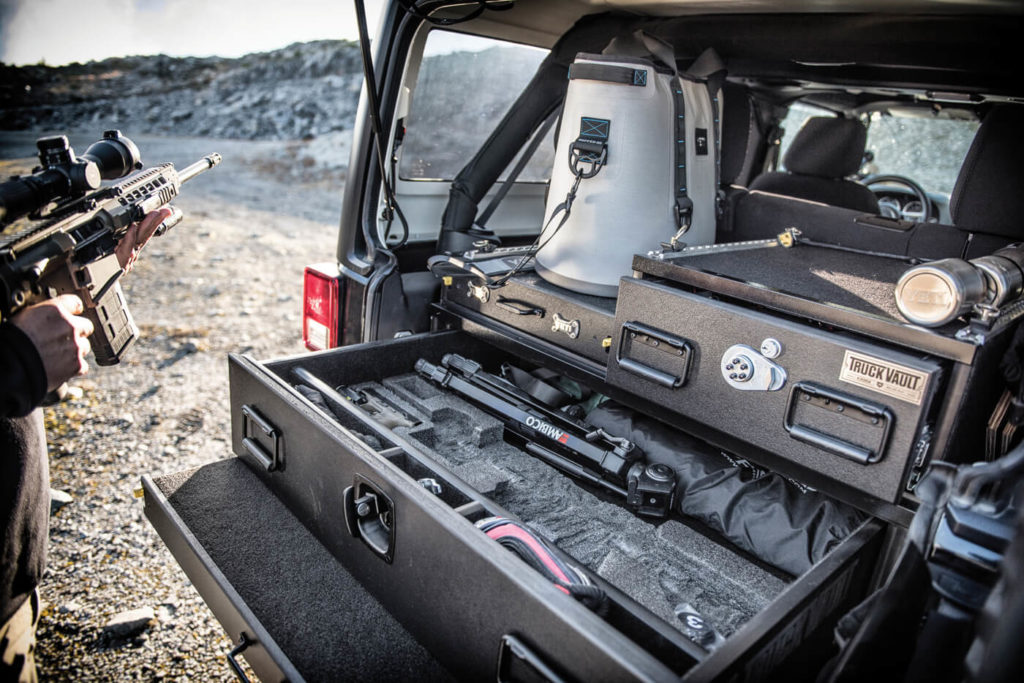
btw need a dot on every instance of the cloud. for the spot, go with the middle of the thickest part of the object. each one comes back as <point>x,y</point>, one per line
<point>64,31</point>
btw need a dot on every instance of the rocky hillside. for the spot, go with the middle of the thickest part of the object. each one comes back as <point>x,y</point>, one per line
<point>298,92</point>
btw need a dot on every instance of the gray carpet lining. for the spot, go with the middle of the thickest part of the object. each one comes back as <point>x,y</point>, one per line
<point>326,623</point>
<point>660,566</point>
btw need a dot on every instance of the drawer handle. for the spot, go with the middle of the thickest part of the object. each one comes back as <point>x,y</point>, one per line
<point>271,461</point>
<point>647,372</point>
<point>636,332</point>
<point>518,307</point>
<point>517,661</point>
<point>841,404</point>
<point>243,643</point>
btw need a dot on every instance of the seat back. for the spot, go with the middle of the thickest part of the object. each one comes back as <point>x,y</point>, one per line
<point>987,206</point>
<point>988,198</point>
<point>823,154</point>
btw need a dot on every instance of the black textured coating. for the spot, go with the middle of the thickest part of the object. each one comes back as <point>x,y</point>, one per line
<point>592,317</point>
<point>858,281</point>
<point>810,354</point>
<point>325,622</point>
<point>761,215</point>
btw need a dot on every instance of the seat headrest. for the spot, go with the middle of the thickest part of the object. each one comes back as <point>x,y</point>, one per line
<point>987,197</point>
<point>827,147</point>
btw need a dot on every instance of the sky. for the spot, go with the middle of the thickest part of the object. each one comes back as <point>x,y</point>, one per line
<point>64,31</point>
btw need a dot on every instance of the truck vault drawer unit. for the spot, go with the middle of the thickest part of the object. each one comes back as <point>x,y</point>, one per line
<point>694,477</point>
<point>397,506</point>
<point>402,458</point>
<point>831,377</point>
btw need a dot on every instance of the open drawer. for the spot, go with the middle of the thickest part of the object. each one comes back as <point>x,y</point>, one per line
<point>289,604</point>
<point>431,466</point>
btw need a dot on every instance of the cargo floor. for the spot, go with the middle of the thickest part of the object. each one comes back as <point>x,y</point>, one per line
<point>661,566</point>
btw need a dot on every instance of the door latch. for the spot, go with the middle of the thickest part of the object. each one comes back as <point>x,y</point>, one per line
<point>370,517</point>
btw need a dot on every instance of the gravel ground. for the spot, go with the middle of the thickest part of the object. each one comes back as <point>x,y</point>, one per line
<point>228,279</point>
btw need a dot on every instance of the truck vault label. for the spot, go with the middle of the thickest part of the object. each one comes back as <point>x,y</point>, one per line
<point>891,379</point>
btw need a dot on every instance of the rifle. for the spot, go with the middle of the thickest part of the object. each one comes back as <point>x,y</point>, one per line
<point>69,248</point>
<point>578,449</point>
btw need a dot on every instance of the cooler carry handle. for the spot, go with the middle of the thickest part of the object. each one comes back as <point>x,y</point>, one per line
<point>642,44</point>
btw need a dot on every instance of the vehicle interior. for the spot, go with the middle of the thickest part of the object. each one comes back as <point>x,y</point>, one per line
<point>886,96</point>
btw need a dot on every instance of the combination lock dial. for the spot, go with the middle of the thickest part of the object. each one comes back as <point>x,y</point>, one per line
<point>747,369</point>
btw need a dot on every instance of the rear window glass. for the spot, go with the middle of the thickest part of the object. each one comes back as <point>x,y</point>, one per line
<point>465,86</point>
<point>927,149</point>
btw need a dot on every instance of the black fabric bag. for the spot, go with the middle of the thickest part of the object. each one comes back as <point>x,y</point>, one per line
<point>788,526</point>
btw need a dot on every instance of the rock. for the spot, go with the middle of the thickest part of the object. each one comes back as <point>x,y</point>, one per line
<point>59,499</point>
<point>69,607</point>
<point>166,611</point>
<point>129,624</point>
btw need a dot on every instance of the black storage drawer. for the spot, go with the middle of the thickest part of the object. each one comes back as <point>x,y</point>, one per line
<point>577,322</point>
<point>458,593</point>
<point>837,405</point>
<point>467,600</point>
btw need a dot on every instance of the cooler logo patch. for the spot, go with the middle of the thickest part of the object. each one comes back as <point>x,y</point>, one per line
<point>700,136</point>
<point>884,377</point>
<point>596,129</point>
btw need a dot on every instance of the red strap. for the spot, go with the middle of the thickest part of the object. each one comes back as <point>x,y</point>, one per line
<point>538,549</point>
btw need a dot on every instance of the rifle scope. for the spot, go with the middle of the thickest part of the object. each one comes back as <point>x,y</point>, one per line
<point>61,175</point>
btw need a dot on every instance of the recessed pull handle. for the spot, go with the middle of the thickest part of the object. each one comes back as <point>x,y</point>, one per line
<point>634,332</point>
<point>261,439</point>
<point>518,307</point>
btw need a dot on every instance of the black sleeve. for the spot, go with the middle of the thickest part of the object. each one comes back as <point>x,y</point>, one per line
<point>22,375</point>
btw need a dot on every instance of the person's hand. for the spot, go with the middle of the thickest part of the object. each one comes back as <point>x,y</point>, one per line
<point>138,234</point>
<point>60,335</point>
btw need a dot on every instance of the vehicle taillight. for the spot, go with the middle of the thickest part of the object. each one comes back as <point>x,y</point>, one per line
<point>320,308</point>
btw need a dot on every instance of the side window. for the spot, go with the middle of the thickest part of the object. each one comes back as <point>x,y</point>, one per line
<point>465,86</point>
<point>794,121</point>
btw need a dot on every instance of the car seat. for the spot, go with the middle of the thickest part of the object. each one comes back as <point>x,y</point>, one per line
<point>987,197</point>
<point>824,153</point>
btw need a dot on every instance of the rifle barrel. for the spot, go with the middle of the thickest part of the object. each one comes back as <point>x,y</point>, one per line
<point>204,164</point>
